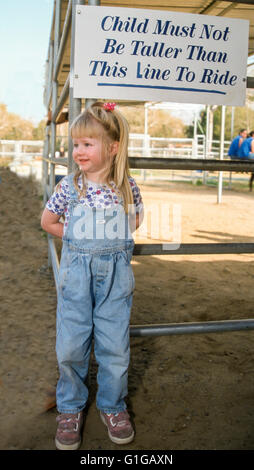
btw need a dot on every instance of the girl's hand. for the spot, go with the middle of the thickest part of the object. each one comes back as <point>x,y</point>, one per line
<point>50,223</point>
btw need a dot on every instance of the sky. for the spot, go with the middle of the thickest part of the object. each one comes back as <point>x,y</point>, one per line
<point>24,31</point>
<point>24,37</point>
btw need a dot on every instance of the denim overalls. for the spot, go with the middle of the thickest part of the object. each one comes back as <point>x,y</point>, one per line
<point>95,293</point>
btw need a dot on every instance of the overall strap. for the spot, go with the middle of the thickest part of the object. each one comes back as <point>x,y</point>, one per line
<point>72,189</point>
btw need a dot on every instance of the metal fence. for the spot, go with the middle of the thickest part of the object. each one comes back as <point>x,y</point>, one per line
<point>17,148</point>
<point>22,156</point>
<point>55,104</point>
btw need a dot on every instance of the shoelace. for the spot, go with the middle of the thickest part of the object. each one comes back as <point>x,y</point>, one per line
<point>116,422</point>
<point>68,423</point>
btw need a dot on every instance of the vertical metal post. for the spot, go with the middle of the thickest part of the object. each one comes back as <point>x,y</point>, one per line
<point>89,102</point>
<point>195,141</point>
<point>47,130</point>
<point>54,92</point>
<point>207,140</point>
<point>74,103</point>
<point>194,148</point>
<point>232,122</point>
<point>207,132</point>
<point>57,26</point>
<point>146,141</point>
<point>50,71</point>
<point>231,135</point>
<point>45,165</point>
<point>222,134</point>
<point>95,3</point>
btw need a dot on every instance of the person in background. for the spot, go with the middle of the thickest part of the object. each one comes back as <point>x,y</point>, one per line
<point>62,152</point>
<point>246,150</point>
<point>236,143</point>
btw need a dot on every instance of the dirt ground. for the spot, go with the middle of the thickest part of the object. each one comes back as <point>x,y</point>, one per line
<point>185,391</point>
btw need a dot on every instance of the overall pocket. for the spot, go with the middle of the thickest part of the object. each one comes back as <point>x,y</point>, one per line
<point>68,267</point>
<point>126,272</point>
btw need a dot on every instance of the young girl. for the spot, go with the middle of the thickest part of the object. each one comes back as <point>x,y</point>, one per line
<point>102,205</point>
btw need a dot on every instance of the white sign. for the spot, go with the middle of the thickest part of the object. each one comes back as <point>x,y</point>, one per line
<point>151,55</point>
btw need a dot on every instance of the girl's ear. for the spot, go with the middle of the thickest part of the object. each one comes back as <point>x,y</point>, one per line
<point>114,146</point>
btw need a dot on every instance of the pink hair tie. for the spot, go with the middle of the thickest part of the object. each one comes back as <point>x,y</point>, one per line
<point>109,106</point>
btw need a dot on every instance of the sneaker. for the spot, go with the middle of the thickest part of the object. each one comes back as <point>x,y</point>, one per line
<point>119,427</point>
<point>68,434</point>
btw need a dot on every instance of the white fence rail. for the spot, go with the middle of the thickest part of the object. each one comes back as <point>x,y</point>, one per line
<point>21,147</point>
<point>26,155</point>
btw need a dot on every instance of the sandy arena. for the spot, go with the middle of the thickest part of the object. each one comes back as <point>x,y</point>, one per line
<point>186,391</point>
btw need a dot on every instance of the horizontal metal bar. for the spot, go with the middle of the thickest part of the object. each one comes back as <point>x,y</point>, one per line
<point>65,32</point>
<point>250,82</point>
<point>248,2</point>
<point>30,143</point>
<point>191,164</point>
<point>169,328</point>
<point>192,248</point>
<point>141,249</point>
<point>62,99</point>
<point>56,161</point>
<point>191,328</point>
<point>181,164</point>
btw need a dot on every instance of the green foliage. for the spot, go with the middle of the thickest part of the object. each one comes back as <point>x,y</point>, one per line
<point>243,119</point>
<point>38,132</point>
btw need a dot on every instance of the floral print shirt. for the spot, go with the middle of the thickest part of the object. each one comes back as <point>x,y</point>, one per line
<point>97,195</point>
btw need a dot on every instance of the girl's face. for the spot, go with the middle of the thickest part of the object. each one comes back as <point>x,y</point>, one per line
<point>90,155</point>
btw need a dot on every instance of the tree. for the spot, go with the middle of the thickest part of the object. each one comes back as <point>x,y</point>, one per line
<point>243,119</point>
<point>160,122</point>
<point>38,132</point>
<point>14,127</point>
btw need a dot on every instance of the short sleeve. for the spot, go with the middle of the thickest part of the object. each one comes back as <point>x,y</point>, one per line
<point>59,199</point>
<point>137,198</point>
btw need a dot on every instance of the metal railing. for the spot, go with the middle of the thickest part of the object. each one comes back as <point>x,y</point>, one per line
<point>55,105</point>
<point>22,156</point>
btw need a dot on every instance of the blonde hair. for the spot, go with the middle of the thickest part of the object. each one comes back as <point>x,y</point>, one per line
<point>115,128</point>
